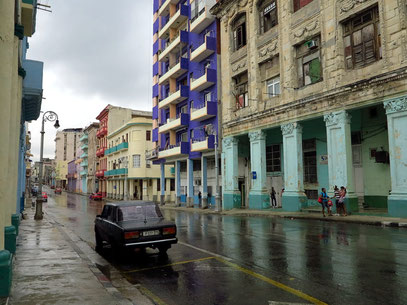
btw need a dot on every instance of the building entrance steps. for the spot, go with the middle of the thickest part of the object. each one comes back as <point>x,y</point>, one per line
<point>53,265</point>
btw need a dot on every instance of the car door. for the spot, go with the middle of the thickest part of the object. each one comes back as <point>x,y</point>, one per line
<point>103,225</point>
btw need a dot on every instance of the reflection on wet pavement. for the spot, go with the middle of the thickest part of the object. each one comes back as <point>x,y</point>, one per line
<point>336,263</point>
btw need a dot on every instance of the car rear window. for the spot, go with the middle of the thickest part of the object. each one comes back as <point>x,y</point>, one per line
<point>139,212</point>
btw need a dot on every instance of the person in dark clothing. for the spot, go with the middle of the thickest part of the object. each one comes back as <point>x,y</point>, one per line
<point>273,198</point>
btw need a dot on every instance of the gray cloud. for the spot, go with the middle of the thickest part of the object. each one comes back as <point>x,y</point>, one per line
<point>95,52</point>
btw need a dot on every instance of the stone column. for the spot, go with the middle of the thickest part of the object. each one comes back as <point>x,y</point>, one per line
<point>293,197</point>
<point>259,197</point>
<point>190,181</point>
<point>231,194</point>
<point>177,183</point>
<point>162,184</point>
<point>340,166</point>
<point>204,179</point>
<point>396,110</point>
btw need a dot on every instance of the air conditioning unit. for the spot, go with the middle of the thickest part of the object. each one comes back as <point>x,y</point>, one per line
<point>312,44</point>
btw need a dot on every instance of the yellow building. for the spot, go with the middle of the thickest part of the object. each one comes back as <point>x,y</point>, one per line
<point>20,101</point>
<point>126,161</point>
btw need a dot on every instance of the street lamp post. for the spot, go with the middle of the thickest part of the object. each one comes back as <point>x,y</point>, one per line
<point>47,116</point>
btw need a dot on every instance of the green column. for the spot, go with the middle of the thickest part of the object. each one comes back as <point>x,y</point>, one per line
<point>231,194</point>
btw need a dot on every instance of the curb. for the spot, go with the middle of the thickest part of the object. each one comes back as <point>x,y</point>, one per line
<point>372,222</point>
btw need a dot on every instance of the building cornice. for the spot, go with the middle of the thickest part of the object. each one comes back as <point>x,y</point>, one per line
<point>330,94</point>
<point>126,127</point>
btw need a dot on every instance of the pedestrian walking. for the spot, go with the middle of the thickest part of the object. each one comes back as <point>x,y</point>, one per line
<point>273,198</point>
<point>323,200</point>
<point>342,196</point>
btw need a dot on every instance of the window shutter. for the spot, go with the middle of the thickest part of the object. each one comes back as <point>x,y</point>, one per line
<point>315,70</point>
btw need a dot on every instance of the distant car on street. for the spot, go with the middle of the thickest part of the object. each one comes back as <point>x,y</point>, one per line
<point>126,225</point>
<point>96,196</point>
<point>44,196</point>
<point>58,190</point>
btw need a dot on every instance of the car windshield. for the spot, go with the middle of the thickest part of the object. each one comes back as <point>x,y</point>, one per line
<point>139,212</point>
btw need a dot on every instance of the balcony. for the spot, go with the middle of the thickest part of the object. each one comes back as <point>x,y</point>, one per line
<point>84,138</point>
<point>28,16</point>
<point>100,152</point>
<point>165,7</point>
<point>205,81</point>
<point>201,145</point>
<point>174,151</point>
<point>174,124</point>
<point>100,174</point>
<point>151,154</point>
<point>180,16</point>
<point>176,71</point>
<point>122,146</point>
<point>84,155</point>
<point>208,111</point>
<point>174,46</point>
<point>175,98</point>
<point>101,132</point>
<point>84,164</point>
<point>85,147</point>
<point>116,172</point>
<point>204,50</point>
<point>202,20</point>
<point>83,173</point>
<point>32,89</point>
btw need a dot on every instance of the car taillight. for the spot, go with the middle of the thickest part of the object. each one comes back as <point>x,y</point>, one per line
<point>170,230</point>
<point>130,235</point>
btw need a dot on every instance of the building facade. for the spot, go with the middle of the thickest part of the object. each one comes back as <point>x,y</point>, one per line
<point>127,164</point>
<point>20,100</point>
<point>111,118</point>
<point>185,96</point>
<point>84,162</point>
<point>66,144</point>
<point>314,95</point>
<point>93,149</point>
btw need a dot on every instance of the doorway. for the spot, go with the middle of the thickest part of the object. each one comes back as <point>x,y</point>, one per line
<point>242,189</point>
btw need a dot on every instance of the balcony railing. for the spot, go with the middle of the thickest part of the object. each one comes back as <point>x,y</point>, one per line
<point>175,71</point>
<point>85,147</point>
<point>204,111</point>
<point>180,16</point>
<point>151,154</point>
<point>201,18</point>
<point>175,124</point>
<point>203,143</point>
<point>117,148</point>
<point>83,138</point>
<point>205,81</point>
<point>206,49</point>
<point>174,98</point>
<point>180,148</point>
<point>174,46</point>
<point>100,174</point>
<point>165,7</point>
<point>84,164</point>
<point>116,172</point>
<point>84,173</point>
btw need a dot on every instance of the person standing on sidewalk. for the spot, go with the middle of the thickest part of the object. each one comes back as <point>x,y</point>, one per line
<point>273,198</point>
<point>337,197</point>
<point>323,199</point>
<point>342,196</point>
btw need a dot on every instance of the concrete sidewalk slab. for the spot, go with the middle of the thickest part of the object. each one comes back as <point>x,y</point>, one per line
<point>355,218</point>
<point>52,266</point>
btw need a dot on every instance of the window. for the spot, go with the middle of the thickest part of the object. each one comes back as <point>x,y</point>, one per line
<point>158,185</point>
<point>268,15</point>
<point>208,97</point>
<point>310,161</point>
<point>184,137</point>
<point>148,135</point>
<point>241,91</point>
<point>239,32</point>
<point>197,166</point>
<point>309,62</point>
<point>184,109</point>
<point>362,41</point>
<point>273,158</point>
<point>273,86</point>
<point>136,161</point>
<point>300,3</point>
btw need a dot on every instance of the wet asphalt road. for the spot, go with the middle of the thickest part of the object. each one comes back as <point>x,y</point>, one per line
<point>252,260</point>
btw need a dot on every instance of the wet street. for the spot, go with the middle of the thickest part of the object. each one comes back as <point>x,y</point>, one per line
<point>253,260</point>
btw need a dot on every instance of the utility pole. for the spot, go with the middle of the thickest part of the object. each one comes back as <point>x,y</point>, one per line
<point>218,207</point>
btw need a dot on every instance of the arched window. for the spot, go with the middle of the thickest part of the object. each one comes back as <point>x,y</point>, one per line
<point>239,32</point>
<point>267,15</point>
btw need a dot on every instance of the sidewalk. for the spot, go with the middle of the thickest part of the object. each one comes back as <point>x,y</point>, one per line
<point>53,266</point>
<point>358,218</point>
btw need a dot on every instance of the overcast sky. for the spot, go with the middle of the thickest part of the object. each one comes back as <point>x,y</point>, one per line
<point>95,52</point>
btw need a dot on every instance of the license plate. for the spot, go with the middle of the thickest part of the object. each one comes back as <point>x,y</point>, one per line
<point>151,233</point>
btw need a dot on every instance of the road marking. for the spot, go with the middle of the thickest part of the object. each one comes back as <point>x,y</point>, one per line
<point>273,282</point>
<point>151,295</point>
<point>205,251</point>
<point>173,264</point>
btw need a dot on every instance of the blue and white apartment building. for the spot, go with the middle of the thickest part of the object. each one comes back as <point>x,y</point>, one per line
<point>185,97</point>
